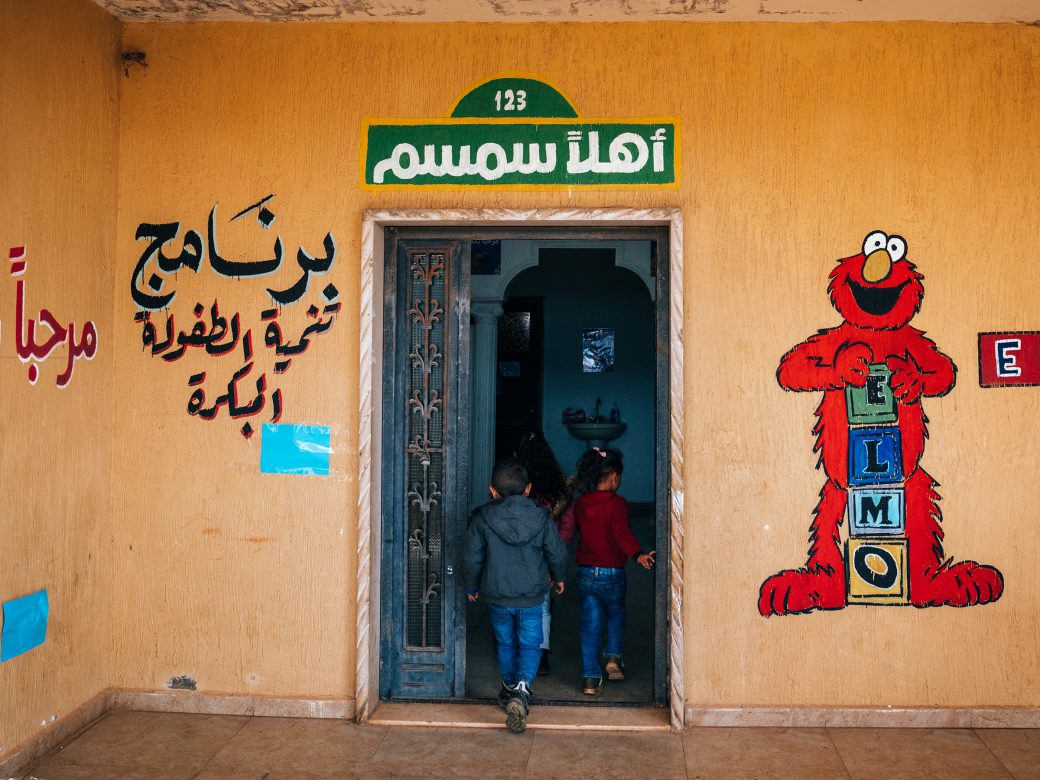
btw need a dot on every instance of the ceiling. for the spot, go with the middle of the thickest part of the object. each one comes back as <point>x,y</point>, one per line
<point>1017,11</point>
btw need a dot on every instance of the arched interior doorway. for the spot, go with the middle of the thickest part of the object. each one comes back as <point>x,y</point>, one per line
<point>575,338</point>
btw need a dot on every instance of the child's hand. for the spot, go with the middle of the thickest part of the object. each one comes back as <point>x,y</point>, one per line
<point>558,588</point>
<point>646,560</point>
<point>473,596</point>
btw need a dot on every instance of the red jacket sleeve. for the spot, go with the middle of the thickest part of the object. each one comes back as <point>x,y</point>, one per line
<point>567,525</point>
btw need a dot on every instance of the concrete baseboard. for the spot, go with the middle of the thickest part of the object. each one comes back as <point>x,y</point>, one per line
<point>125,700</point>
<point>864,717</point>
<point>62,730</point>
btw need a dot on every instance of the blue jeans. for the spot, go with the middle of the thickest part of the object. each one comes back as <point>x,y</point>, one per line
<point>602,593</point>
<point>546,620</point>
<point>518,632</point>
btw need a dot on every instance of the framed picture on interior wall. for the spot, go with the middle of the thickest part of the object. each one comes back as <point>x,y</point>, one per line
<point>597,350</point>
<point>486,258</point>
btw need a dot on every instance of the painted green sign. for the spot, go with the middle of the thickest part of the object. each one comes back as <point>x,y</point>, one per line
<point>518,132</point>
<point>520,96</point>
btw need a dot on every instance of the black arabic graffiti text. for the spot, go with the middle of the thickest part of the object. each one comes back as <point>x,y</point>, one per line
<point>150,296</point>
<point>218,337</point>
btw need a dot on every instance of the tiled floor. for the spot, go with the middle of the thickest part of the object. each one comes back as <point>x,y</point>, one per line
<point>161,746</point>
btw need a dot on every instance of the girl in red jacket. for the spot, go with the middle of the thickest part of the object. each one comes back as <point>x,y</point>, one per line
<point>605,543</point>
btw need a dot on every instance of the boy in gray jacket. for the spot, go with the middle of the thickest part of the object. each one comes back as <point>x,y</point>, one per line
<point>512,549</point>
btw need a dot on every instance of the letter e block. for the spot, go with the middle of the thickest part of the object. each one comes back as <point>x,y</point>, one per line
<point>873,403</point>
<point>877,511</point>
<point>875,455</point>
<point>876,571</point>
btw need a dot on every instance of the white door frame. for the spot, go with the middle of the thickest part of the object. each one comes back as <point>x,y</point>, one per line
<point>370,421</point>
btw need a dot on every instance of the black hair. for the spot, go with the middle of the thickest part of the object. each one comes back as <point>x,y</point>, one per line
<point>509,478</point>
<point>595,465</point>
<point>548,484</point>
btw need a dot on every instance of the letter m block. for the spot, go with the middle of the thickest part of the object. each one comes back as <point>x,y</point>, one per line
<point>877,511</point>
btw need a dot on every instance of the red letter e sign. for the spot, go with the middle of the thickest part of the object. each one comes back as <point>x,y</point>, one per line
<point>1009,359</point>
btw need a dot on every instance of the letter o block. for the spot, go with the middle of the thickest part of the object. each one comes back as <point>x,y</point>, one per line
<point>876,571</point>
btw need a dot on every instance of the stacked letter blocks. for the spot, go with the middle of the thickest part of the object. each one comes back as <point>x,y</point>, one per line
<point>876,551</point>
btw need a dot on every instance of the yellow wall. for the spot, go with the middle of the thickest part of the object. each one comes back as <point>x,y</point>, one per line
<point>58,163</point>
<point>797,141</point>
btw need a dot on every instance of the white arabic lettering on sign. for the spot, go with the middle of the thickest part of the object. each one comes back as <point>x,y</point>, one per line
<point>429,166</point>
<point>628,153</point>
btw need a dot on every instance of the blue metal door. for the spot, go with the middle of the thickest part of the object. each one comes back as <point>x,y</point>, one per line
<point>425,454</point>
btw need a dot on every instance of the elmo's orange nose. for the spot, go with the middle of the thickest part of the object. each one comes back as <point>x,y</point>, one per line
<point>877,266</point>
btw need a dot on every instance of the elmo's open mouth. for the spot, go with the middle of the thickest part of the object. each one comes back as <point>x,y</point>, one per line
<point>875,300</point>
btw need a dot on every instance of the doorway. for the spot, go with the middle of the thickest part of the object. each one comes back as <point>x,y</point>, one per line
<point>575,341</point>
<point>396,600</point>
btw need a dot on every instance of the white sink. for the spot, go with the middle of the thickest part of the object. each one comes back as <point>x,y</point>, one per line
<point>596,434</point>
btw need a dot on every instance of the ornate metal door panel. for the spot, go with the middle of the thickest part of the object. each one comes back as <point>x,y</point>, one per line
<point>425,444</point>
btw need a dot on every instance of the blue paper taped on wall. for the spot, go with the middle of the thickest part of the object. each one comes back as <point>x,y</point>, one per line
<point>25,625</point>
<point>295,449</point>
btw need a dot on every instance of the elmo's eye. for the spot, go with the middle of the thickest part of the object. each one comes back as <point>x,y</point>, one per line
<point>896,248</point>
<point>874,242</point>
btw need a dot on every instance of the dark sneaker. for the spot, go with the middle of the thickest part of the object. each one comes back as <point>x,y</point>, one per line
<point>615,668</point>
<point>517,708</point>
<point>591,685</point>
<point>543,665</point>
<point>503,695</point>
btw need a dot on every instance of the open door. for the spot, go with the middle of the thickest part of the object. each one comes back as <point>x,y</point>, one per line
<point>425,454</point>
<point>425,463</point>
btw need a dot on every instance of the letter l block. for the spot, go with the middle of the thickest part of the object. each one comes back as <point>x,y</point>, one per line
<point>875,455</point>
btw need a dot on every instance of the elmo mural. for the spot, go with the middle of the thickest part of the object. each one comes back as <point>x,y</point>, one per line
<point>874,370</point>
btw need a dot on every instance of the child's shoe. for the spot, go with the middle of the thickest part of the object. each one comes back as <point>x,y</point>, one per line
<point>503,695</point>
<point>517,708</point>
<point>615,668</point>
<point>543,664</point>
<point>590,685</point>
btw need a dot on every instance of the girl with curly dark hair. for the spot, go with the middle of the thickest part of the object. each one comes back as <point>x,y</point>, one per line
<point>549,487</point>
<point>605,544</point>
